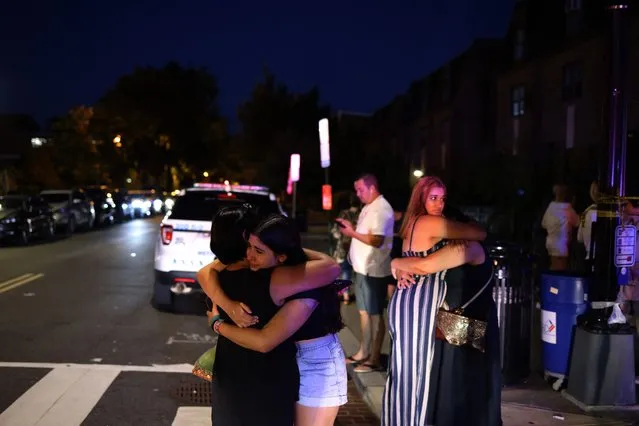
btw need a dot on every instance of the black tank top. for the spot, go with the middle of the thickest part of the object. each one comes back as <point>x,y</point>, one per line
<point>235,364</point>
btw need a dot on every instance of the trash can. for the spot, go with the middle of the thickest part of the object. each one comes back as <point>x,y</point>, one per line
<point>564,297</point>
<point>512,292</point>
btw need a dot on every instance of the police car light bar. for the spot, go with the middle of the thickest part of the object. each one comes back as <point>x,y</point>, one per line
<point>227,188</point>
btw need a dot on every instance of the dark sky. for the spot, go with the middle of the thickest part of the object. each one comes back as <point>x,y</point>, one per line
<point>361,54</point>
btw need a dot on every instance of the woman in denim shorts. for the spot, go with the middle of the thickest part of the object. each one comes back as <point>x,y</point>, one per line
<point>311,317</point>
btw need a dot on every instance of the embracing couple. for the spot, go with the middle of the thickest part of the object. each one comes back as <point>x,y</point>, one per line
<point>278,360</point>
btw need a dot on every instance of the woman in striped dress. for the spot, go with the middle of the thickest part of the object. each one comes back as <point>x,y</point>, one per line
<point>413,307</point>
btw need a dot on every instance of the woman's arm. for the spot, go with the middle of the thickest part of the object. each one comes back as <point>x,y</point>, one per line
<point>210,283</point>
<point>286,321</point>
<point>318,271</point>
<point>442,228</point>
<point>445,258</point>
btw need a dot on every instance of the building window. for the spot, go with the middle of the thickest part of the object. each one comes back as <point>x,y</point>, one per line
<point>517,100</point>
<point>519,45</point>
<point>574,17</point>
<point>572,78</point>
<point>573,5</point>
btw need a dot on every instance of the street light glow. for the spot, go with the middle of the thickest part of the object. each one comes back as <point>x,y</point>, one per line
<point>205,174</point>
<point>418,173</point>
<point>117,139</point>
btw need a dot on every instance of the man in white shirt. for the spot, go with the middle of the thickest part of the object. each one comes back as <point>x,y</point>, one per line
<point>369,254</point>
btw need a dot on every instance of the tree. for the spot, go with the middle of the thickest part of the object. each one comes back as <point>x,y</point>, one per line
<point>284,123</point>
<point>164,118</point>
<point>75,152</point>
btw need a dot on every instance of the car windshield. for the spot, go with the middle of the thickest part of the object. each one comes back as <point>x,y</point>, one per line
<point>8,203</point>
<point>55,197</point>
<point>202,205</point>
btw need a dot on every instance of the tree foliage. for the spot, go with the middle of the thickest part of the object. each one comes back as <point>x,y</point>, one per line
<point>275,124</point>
<point>157,122</point>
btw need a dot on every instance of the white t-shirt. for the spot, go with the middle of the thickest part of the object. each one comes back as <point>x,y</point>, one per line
<point>376,218</point>
<point>584,234</point>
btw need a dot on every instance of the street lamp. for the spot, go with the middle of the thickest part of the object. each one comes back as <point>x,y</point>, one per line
<point>205,174</point>
<point>418,173</point>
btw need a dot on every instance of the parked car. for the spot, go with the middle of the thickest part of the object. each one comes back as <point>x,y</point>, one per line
<point>23,217</point>
<point>103,205</point>
<point>71,208</point>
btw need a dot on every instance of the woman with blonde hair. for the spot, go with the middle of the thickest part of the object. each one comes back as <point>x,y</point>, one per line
<point>412,394</point>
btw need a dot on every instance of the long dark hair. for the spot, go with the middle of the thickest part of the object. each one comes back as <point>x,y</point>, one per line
<point>229,230</point>
<point>280,234</point>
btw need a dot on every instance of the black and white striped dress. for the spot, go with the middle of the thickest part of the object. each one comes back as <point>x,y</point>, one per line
<point>411,323</point>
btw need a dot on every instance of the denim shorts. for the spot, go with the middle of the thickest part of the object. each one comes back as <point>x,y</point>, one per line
<point>322,372</point>
<point>370,293</point>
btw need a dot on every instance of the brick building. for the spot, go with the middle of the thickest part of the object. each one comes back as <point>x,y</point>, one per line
<point>551,95</point>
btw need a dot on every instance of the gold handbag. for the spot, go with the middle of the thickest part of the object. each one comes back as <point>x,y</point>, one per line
<point>459,330</point>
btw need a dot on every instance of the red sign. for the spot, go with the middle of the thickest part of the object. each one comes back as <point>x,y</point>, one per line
<point>327,197</point>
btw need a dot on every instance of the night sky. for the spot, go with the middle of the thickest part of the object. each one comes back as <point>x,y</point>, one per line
<point>360,53</point>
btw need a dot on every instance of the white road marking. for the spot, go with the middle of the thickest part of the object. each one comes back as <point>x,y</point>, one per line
<point>77,402</point>
<point>69,392</point>
<point>155,368</point>
<point>34,403</point>
<point>17,282</point>
<point>192,416</point>
<point>192,338</point>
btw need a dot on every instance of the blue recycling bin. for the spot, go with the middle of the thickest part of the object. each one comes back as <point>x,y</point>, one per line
<point>563,298</point>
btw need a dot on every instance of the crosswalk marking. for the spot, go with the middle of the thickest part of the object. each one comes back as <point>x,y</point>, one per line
<point>18,281</point>
<point>34,403</point>
<point>192,416</point>
<point>155,368</point>
<point>68,393</point>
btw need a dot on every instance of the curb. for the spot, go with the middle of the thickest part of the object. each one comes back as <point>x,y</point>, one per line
<point>369,385</point>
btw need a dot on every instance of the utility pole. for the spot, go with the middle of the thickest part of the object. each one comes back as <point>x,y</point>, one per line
<point>602,373</point>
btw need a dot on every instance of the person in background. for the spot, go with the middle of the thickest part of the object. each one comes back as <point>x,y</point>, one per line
<point>588,217</point>
<point>349,210</point>
<point>559,221</point>
<point>372,240</point>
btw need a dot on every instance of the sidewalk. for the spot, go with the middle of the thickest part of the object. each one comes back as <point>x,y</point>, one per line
<point>534,403</point>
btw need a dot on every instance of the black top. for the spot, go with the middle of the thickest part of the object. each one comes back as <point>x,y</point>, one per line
<point>237,364</point>
<point>318,325</point>
<point>465,384</point>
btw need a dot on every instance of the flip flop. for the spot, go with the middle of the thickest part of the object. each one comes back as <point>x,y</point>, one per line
<point>353,361</point>
<point>367,367</point>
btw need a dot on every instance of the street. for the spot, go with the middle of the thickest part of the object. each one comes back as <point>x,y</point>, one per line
<point>83,345</point>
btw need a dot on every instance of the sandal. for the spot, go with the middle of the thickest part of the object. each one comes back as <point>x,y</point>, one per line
<point>353,361</point>
<point>367,367</point>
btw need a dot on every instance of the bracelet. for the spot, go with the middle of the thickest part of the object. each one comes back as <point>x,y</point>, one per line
<point>216,325</point>
<point>213,319</point>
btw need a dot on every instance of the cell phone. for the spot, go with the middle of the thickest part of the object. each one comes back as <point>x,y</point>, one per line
<point>340,224</point>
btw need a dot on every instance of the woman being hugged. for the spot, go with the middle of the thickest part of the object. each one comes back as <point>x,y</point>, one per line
<point>422,289</point>
<point>309,318</point>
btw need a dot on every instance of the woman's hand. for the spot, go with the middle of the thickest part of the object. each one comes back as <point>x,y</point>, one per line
<point>404,279</point>
<point>241,315</point>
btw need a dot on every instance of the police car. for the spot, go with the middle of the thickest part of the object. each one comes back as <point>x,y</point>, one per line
<point>182,246</point>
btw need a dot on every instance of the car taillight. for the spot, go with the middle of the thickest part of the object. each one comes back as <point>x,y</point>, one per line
<point>166,233</point>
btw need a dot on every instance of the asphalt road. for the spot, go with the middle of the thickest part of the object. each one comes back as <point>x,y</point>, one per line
<point>82,344</point>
